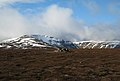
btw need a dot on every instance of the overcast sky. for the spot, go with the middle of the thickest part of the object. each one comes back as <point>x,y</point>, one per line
<point>67,19</point>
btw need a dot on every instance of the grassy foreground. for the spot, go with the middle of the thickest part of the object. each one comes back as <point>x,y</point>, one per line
<point>49,65</point>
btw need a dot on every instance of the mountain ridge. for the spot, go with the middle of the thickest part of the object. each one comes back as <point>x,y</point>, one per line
<point>30,41</point>
<point>44,41</point>
<point>98,44</point>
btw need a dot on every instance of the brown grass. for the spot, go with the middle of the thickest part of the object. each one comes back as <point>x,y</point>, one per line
<point>48,65</point>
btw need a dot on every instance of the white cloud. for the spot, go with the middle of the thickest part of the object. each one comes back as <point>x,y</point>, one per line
<point>58,21</point>
<point>53,21</point>
<point>101,31</point>
<point>12,23</point>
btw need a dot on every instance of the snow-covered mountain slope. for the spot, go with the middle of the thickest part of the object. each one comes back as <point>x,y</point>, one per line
<point>55,41</point>
<point>30,41</point>
<point>98,44</point>
<point>23,42</point>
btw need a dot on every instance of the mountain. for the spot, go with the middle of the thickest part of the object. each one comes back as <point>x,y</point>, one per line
<point>98,44</point>
<point>30,41</point>
<point>44,41</point>
<point>23,42</point>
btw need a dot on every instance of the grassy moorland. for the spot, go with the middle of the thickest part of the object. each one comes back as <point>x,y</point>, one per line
<point>49,65</point>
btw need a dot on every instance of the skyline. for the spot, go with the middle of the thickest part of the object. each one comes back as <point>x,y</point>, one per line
<point>67,19</point>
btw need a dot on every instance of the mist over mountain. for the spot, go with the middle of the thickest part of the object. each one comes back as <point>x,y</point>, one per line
<point>58,21</point>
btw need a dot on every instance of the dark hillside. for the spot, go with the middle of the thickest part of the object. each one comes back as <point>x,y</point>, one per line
<point>50,65</point>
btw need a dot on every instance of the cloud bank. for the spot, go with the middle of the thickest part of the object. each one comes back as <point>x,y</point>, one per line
<point>12,23</point>
<point>53,21</point>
